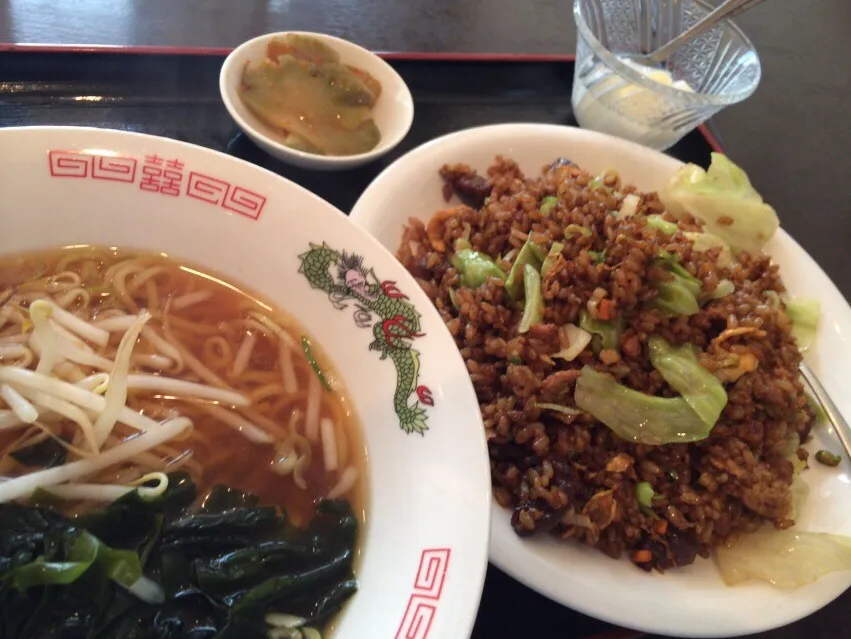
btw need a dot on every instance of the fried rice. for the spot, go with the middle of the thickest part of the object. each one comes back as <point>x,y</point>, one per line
<point>565,473</point>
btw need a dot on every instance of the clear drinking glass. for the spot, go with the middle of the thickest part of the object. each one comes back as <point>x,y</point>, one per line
<point>655,107</point>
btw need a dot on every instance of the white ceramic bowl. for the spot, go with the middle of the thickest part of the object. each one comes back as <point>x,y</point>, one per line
<point>687,602</point>
<point>393,112</point>
<point>424,548</point>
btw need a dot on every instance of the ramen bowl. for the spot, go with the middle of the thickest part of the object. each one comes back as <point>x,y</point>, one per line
<point>422,544</point>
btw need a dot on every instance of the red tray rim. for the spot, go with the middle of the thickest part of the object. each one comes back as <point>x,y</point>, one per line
<point>12,47</point>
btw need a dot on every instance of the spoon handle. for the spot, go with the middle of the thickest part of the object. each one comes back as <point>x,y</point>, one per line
<point>725,10</point>
<point>840,426</point>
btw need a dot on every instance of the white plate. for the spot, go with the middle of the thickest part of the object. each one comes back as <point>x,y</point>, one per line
<point>421,569</point>
<point>691,601</point>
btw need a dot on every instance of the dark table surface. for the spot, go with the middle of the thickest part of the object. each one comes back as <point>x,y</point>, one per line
<point>789,137</point>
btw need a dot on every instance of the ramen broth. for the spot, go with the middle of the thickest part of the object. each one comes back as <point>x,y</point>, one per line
<point>226,338</point>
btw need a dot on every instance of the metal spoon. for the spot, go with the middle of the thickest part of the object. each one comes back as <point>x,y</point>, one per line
<point>725,10</point>
<point>843,431</point>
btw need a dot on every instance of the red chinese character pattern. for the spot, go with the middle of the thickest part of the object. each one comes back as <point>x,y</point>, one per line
<point>172,177</point>
<point>115,168</point>
<point>161,176</point>
<point>206,188</point>
<point>68,164</point>
<point>158,175</point>
<point>244,202</point>
<point>428,587</point>
<point>151,173</point>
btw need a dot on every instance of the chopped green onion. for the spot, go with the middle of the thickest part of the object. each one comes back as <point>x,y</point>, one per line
<point>661,224</point>
<point>552,257</point>
<point>572,230</point>
<point>533,310</point>
<point>597,183</point>
<point>548,204</point>
<point>598,256</point>
<point>515,360</point>
<point>828,458</point>
<point>308,353</point>
<point>644,494</point>
<point>462,243</point>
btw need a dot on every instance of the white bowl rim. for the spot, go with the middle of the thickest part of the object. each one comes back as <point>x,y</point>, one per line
<point>384,146</point>
<point>475,592</point>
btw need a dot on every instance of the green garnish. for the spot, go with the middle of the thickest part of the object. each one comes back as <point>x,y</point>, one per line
<point>308,353</point>
<point>828,458</point>
<point>661,224</point>
<point>598,256</point>
<point>597,183</point>
<point>644,494</point>
<point>548,204</point>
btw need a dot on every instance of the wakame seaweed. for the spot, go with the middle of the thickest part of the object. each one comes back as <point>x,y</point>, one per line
<point>221,566</point>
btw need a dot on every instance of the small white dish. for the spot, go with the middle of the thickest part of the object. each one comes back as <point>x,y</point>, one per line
<point>423,550</point>
<point>393,112</point>
<point>685,602</point>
